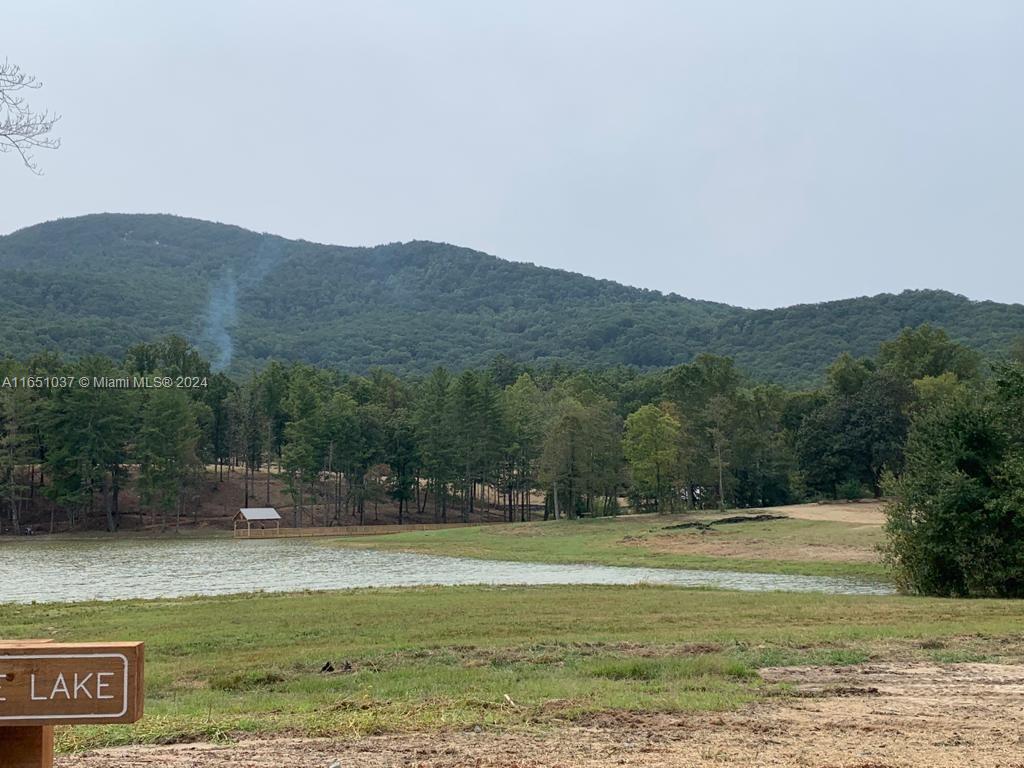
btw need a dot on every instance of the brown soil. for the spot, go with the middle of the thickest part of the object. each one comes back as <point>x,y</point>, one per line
<point>217,500</point>
<point>760,550</point>
<point>869,716</point>
<point>862,512</point>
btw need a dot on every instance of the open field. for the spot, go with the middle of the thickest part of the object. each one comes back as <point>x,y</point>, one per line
<point>855,512</point>
<point>863,716</point>
<point>537,660</point>
<point>816,539</point>
<point>584,676</point>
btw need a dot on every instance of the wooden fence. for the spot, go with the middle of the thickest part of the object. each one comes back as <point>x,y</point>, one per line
<point>346,530</point>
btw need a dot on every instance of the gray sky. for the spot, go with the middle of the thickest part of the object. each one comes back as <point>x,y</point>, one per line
<point>758,153</point>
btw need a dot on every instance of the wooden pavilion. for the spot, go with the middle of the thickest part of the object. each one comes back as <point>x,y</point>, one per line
<point>259,515</point>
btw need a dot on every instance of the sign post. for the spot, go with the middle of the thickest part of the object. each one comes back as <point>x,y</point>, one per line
<point>43,684</point>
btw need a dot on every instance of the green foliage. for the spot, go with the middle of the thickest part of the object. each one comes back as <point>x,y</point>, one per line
<point>699,434</point>
<point>85,432</point>
<point>956,527</point>
<point>166,450</point>
<point>581,457</point>
<point>651,444</point>
<point>927,351</point>
<point>102,284</point>
<point>857,430</point>
<point>847,376</point>
<point>526,408</point>
<point>18,422</point>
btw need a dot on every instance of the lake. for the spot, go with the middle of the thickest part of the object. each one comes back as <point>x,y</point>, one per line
<point>73,570</point>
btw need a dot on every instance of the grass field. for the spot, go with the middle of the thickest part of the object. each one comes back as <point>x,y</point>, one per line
<point>458,657</point>
<point>816,547</point>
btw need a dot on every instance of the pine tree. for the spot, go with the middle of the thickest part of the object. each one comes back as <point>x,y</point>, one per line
<point>167,451</point>
<point>17,449</point>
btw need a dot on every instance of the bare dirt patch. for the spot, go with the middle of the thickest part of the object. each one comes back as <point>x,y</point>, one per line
<point>861,512</point>
<point>755,549</point>
<point>762,534</point>
<point>866,716</point>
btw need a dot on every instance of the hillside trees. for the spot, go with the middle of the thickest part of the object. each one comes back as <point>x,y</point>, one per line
<point>706,395</point>
<point>167,451</point>
<point>18,414</point>
<point>855,435</point>
<point>402,458</point>
<point>479,432</point>
<point>216,436</point>
<point>581,457</point>
<point>430,420</point>
<point>526,409</point>
<point>248,432</point>
<point>304,445</point>
<point>651,444</point>
<point>464,446</point>
<point>366,456</point>
<point>762,457</point>
<point>926,351</point>
<point>858,430</point>
<point>86,434</point>
<point>101,284</point>
<point>339,424</point>
<point>273,384</point>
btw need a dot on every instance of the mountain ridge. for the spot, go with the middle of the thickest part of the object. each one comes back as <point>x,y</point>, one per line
<point>98,283</point>
<point>444,243</point>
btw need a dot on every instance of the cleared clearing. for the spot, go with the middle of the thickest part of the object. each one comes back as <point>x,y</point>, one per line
<point>814,539</point>
<point>908,715</point>
<point>859,512</point>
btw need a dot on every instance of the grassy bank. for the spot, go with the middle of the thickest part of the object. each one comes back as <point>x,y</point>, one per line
<point>465,656</point>
<point>790,546</point>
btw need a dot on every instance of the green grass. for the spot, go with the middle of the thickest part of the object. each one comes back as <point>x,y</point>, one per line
<point>636,540</point>
<point>458,657</point>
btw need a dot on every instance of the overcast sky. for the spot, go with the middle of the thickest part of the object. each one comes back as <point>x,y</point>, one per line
<point>757,153</point>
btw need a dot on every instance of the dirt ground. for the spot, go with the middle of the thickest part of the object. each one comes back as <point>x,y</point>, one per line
<point>867,516</point>
<point>861,512</point>
<point>867,716</point>
<point>763,550</point>
<point>216,502</point>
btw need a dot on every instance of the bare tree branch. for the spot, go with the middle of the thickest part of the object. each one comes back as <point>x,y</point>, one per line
<point>21,129</point>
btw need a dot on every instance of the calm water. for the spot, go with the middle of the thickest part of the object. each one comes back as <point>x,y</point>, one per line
<point>76,570</point>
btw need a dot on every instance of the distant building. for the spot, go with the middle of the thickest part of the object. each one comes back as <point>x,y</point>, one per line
<point>259,515</point>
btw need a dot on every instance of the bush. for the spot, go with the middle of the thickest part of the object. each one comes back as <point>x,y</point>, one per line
<point>956,527</point>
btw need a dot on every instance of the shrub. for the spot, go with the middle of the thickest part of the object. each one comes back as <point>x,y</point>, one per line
<point>956,527</point>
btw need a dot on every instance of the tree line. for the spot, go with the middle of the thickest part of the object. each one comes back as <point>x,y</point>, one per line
<point>550,442</point>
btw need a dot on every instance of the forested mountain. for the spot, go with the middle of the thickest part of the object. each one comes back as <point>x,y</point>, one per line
<point>101,283</point>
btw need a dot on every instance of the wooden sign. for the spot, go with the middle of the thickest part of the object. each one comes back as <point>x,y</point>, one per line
<point>43,684</point>
<point>59,684</point>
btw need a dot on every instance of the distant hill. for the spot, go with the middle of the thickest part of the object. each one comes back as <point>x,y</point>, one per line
<point>103,282</point>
